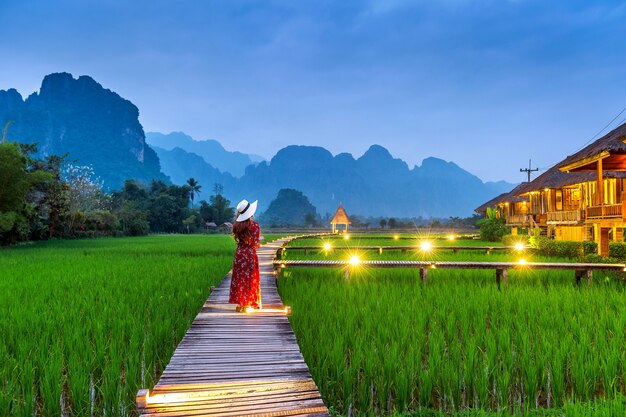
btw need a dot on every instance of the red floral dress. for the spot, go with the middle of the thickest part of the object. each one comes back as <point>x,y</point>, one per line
<point>245,285</point>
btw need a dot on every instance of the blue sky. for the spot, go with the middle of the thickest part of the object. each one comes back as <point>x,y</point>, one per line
<point>487,84</point>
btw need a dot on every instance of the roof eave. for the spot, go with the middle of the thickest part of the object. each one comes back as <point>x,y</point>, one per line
<point>585,161</point>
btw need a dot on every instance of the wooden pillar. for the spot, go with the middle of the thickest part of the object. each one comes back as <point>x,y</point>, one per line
<point>346,274</point>
<point>618,234</point>
<point>424,275</point>
<point>502,275</point>
<point>600,184</point>
<point>455,251</point>
<point>380,251</point>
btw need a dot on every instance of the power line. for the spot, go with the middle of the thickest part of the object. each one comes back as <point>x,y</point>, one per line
<point>602,130</point>
<point>596,135</point>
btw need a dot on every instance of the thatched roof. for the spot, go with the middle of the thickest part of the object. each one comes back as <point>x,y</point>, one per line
<point>510,197</point>
<point>555,178</point>
<point>340,217</point>
<point>611,148</point>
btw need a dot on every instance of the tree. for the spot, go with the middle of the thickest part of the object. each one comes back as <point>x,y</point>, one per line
<point>84,193</point>
<point>383,223</point>
<point>194,188</point>
<point>310,219</point>
<point>189,221</point>
<point>392,223</point>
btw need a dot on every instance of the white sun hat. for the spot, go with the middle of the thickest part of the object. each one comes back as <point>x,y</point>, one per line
<point>245,210</point>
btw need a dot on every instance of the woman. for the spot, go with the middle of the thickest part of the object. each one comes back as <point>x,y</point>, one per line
<point>245,285</point>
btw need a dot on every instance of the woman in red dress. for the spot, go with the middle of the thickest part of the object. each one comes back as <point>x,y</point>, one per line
<point>245,285</point>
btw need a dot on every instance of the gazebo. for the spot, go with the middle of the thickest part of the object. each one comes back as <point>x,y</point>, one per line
<point>340,217</point>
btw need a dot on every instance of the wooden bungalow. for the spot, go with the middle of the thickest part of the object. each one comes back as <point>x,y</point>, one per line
<point>340,217</point>
<point>606,212</point>
<point>512,206</point>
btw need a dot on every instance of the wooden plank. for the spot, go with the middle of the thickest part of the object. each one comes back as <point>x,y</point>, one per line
<point>236,364</point>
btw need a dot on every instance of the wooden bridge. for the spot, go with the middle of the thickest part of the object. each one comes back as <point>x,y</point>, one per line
<point>416,248</point>
<point>501,268</point>
<point>237,364</point>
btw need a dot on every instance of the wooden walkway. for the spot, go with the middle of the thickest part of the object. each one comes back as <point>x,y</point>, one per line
<point>237,364</point>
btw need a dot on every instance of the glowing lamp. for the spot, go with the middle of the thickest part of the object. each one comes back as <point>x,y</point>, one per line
<point>282,265</point>
<point>327,246</point>
<point>287,310</point>
<point>354,260</point>
<point>249,309</point>
<point>546,190</point>
<point>522,261</point>
<point>396,237</point>
<point>450,237</point>
<point>346,236</point>
<point>519,246</point>
<point>426,246</point>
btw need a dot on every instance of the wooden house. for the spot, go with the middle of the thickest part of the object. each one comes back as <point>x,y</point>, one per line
<point>606,160</point>
<point>580,198</point>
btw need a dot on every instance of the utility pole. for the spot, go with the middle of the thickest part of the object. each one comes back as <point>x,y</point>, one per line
<point>528,170</point>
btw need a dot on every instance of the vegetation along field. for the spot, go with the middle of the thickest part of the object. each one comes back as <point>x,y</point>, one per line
<point>87,323</point>
<point>384,343</point>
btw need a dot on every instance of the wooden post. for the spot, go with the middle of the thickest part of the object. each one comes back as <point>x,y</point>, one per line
<point>578,274</point>
<point>455,251</point>
<point>141,399</point>
<point>600,185</point>
<point>346,274</point>
<point>502,275</point>
<point>380,251</point>
<point>589,276</point>
<point>424,275</point>
<point>306,251</point>
<point>488,251</point>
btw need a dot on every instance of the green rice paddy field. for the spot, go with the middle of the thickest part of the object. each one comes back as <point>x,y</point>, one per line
<point>383,343</point>
<point>85,324</point>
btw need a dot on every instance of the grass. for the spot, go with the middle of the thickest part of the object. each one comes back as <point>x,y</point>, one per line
<point>383,343</point>
<point>87,323</point>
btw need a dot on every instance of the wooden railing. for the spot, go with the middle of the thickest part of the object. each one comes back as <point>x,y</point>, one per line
<point>607,211</point>
<point>564,217</point>
<point>518,220</point>
<point>581,270</point>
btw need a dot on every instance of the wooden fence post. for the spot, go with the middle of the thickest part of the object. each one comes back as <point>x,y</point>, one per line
<point>502,275</point>
<point>424,275</point>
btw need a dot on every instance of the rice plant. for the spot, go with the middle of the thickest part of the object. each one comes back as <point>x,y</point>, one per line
<point>85,324</point>
<point>384,343</point>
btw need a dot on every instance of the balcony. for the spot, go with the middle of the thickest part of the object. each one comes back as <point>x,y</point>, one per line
<point>564,217</point>
<point>607,211</point>
<point>518,220</point>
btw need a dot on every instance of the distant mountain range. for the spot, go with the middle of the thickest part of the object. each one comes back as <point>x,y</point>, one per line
<point>211,151</point>
<point>97,127</point>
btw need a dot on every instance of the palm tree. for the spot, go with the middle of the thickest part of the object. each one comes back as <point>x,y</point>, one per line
<point>194,189</point>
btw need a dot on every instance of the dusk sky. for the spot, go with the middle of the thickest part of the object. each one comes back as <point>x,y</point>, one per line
<point>487,84</point>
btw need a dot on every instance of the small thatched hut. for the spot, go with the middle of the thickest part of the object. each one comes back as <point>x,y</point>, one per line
<point>340,217</point>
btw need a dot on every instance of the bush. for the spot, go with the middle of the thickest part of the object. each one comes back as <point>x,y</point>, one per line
<point>597,259</point>
<point>512,240</point>
<point>560,248</point>
<point>492,230</point>
<point>617,250</point>
<point>590,247</point>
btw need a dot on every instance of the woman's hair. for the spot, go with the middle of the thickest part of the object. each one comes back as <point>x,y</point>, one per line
<point>242,232</point>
